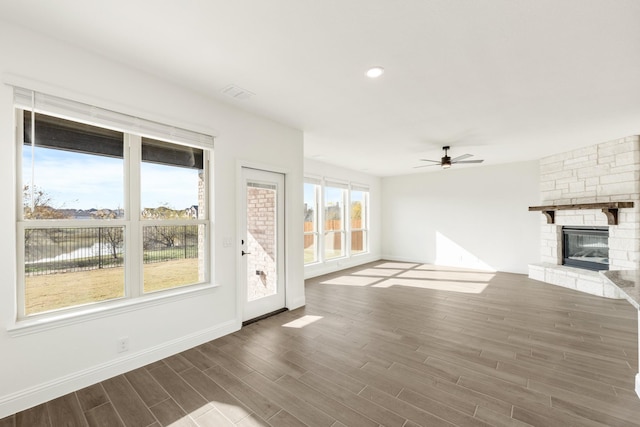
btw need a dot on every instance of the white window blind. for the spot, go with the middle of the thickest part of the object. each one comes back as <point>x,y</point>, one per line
<point>358,187</point>
<point>336,184</point>
<point>42,103</point>
<point>312,180</point>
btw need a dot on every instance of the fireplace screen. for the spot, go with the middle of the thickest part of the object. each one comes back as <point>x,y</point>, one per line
<point>586,247</point>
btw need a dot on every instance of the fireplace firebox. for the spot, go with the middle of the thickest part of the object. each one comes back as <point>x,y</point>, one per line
<point>586,247</point>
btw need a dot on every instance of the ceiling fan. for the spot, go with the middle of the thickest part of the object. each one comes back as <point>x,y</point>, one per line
<point>447,161</point>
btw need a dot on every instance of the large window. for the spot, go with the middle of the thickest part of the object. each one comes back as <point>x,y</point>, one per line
<point>334,223</point>
<point>344,223</point>
<point>105,214</point>
<point>359,221</point>
<point>311,240</point>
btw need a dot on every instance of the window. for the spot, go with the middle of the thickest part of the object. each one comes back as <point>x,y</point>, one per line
<point>359,220</point>
<point>106,214</point>
<point>334,220</point>
<point>344,224</point>
<point>311,241</point>
<point>172,190</point>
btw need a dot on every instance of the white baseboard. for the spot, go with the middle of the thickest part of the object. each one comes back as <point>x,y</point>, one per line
<point>315,270</point>
<point>27,398</point>
<point>403,259</point>
<point>638,384</point>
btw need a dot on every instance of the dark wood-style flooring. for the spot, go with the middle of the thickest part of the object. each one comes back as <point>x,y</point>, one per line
<point>391,344</point>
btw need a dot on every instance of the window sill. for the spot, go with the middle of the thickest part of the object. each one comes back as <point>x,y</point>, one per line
<point>46,322</point>
<point>359,254</point>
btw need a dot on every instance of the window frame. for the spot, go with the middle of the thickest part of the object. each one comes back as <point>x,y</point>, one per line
<point>317,189</point>
<point>364,220</point>
<point>344,189</point>
<point>347,226</point>
<point>132,222</point>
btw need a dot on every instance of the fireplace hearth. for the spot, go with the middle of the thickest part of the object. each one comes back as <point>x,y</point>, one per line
<point>586,247</point>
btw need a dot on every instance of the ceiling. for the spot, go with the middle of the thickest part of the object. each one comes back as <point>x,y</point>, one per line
<point>501,79</point>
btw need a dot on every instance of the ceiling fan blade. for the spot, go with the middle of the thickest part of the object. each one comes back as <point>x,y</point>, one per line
<point>429,160</point>
<point>464,156</point>
<point>468,161</point>
<point>424,166</point>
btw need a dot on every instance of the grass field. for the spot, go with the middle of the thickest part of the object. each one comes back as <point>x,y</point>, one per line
<point>54,291</point>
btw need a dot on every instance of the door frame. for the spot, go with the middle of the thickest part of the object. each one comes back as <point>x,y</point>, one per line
<point>240,164</point>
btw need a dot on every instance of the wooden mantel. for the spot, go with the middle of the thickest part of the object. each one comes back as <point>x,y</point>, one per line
<point>610,209</point>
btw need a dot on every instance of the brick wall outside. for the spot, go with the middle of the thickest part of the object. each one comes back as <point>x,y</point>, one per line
<point>261,235</point>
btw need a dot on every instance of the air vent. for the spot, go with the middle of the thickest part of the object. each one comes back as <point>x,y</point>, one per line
<point>237,92</point>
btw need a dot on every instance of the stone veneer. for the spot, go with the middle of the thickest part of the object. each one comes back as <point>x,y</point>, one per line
<point>607,172</point>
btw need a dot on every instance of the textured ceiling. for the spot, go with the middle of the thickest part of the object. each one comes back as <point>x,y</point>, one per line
<point>501,79</point>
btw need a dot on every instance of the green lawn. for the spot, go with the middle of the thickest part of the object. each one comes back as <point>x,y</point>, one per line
<point>54,291</point>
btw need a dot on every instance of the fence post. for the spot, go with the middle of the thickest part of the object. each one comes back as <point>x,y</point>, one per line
<point>99,247</point>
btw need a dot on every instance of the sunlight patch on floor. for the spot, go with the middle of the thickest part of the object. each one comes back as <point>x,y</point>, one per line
<point>351,281</point>
<point>433,267</point>
<point>213,413</point>
<point>471,276</point>
<point>302,322</point>
<point>401,265</point>
<point>438,285</point>
<point>381,272</point>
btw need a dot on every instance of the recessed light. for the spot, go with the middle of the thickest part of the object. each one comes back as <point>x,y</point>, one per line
<point>374,72</point>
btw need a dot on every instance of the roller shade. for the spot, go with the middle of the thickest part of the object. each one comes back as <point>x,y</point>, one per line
<point>358,187</point>
<point>336,184</point>
<point>48,104</point>
<point>312,180</point>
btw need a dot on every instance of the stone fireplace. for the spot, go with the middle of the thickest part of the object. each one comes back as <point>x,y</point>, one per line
<point>590,188</point>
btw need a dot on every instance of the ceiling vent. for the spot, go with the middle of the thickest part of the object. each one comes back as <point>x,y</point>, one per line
<point>237,92</point>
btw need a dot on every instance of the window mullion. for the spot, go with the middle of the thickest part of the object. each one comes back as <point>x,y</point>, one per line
<point>20,239</point>
<point>133,263</point>
<point>21,287</point>
<point>322,232</point>
<point>346,224</point>
<point>20,190</point>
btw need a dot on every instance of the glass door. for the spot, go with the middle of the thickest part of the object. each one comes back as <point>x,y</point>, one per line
<point>262,242</point>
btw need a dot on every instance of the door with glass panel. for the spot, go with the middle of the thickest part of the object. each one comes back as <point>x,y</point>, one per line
<point>262,243</point>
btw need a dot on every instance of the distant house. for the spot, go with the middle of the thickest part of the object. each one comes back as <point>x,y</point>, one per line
<point>192,212</point>
<point>308,213</point>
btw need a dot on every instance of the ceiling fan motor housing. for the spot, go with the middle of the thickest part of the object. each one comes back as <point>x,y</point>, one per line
<point>445,162</point>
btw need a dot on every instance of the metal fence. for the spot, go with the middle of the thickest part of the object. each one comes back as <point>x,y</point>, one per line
<point>57,250</point>
<point>163,243</point>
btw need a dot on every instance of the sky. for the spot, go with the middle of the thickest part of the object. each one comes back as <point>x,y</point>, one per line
<point>332,195</point>
<point>84,181</point>
<point>309,194</point>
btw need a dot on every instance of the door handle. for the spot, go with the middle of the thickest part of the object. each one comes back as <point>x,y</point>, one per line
<point>245,253</point>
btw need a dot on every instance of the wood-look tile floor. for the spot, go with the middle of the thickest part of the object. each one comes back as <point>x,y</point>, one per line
<point>391,344</point>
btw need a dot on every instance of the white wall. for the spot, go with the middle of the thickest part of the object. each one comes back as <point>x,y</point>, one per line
<point>41,365</point>
<point>318,169</point>
<point>475,218</point>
